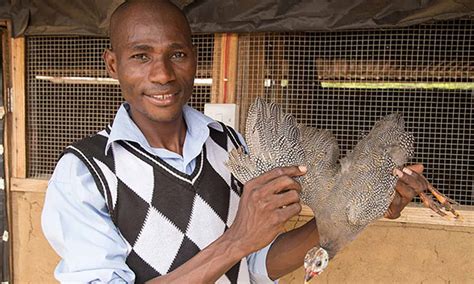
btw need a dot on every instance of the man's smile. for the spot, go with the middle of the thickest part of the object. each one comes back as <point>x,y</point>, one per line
<point>162,99</point>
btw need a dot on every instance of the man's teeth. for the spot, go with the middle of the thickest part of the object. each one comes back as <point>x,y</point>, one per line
<point>163,97</point>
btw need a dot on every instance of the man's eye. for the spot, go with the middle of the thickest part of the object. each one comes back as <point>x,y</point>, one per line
<point>141,57</point>
<point>179,55</point>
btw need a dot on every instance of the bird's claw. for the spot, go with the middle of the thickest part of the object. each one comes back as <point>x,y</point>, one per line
<point>430,203</point>
<point>442,201</point>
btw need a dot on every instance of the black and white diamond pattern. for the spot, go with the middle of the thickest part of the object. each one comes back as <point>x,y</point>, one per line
<point>175,246</point>
<point>183,220</point>
<point>203,231</point>
<point>233,206</point>
<point>134,172</point>
<point>165,237</point>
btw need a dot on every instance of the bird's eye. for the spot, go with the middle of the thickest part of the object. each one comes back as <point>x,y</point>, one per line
<point>319,263</point>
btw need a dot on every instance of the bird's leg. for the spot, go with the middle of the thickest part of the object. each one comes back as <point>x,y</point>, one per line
<point>444,201</point>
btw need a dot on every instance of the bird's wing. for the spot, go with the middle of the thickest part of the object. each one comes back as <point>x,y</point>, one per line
<point>368,177</point>
<point>364,185</point>
<point>321,149</point>
<point>273,138</point>
<point>321,152</point>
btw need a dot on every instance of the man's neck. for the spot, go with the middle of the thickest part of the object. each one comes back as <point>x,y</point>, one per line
<point>166,135</point>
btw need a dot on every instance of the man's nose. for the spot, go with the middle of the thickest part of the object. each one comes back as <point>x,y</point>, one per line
<point>162,72</point>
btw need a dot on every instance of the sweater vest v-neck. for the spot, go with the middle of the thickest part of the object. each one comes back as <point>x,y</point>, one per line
<point>164,215</point>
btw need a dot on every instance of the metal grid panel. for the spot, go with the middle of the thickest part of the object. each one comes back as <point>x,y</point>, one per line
<point>205,51</point>
<point>304,73</point>
<point>61,113</point>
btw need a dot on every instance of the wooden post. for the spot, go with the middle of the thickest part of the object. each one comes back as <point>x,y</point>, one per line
<point>17,101</point>
<point>251,73</point>
<point>216,68</point>
<point>224,70</point>
<point>7,83</point>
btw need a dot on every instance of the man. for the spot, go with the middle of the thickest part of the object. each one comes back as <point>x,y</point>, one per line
<point>150,199</point>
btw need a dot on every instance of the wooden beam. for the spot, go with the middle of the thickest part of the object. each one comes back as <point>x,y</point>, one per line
<point>345,70</point>
<point>216,68</point>
<point>6,64</point>
<point>420,215</point>
<point>28,185</point>
<point>18,109</point>
<point>224,70</point>
<point>230,68</point>
<point>251,73</point>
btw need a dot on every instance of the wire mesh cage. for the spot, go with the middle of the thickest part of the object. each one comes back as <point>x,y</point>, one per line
<point>347,80</point>
<point>70,96</point>
<point>341,81</point>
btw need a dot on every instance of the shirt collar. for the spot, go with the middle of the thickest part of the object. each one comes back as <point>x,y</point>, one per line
<point>124,128</point>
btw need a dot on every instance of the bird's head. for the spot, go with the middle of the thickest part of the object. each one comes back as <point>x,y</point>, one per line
<point>315,261</point>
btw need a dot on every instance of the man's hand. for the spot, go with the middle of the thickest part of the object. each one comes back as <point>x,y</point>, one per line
<point>267,202</point>
<point>409,185</point>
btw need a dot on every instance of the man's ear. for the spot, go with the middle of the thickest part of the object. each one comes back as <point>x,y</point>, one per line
<point>110,60</point>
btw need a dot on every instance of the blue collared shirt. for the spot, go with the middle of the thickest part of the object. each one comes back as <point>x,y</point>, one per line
<point>77,224</point>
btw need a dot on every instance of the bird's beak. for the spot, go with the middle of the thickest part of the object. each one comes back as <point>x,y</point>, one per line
<point>309,275</point>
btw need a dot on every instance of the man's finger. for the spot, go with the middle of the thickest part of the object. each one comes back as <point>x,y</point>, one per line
<point>289,211</point>
<point>292,171</point>
<point>393,211</point>
<point>405,191</point>
<point>412,180</point>
<point>285,199</point>
<point>409,185</point>
<point>418,168</point>
<point>281,184</point>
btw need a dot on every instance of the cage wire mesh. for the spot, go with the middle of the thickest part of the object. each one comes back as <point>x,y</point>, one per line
<point>347,80</point>
<point>67,98</point>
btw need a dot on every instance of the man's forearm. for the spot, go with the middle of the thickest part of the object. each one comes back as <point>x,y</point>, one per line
<point>288,251</point>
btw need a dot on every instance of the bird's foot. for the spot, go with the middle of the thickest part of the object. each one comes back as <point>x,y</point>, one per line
<point>442,202</point>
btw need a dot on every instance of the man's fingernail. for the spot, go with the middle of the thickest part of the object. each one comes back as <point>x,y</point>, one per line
<point>303,169</point>
<point>398,172</point>
<point>407,171</point>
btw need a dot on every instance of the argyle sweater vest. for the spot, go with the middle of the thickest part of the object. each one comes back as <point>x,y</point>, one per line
<point>166,216</point>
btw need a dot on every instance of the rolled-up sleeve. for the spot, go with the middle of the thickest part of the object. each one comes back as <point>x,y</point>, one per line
<point>78,226</point>
<point>258,267</point>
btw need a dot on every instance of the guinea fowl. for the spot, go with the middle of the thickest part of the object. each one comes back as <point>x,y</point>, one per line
<point>345,194</point>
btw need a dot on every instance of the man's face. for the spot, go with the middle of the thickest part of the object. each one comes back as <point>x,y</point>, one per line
<point>155,63</point>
